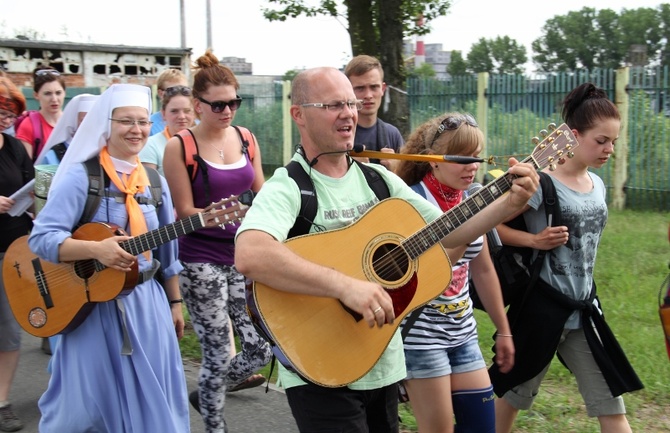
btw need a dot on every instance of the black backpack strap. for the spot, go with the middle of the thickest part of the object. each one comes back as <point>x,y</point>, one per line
<point>96,187</point>
<point>59,149</point>
<point>375,181</point>
<point>308,203</point>
<point>551,208</point>
<point>156,189</point>
<point>98,182</point>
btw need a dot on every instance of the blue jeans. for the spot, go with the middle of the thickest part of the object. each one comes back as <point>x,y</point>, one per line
<point>424,364</point>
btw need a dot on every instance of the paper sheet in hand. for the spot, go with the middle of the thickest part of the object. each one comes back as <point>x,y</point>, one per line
<point>22,199</point>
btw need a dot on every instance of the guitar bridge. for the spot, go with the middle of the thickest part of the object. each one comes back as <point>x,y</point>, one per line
<point>42,282</point>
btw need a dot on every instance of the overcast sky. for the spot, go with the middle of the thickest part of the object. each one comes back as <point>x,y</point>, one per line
<point>240,30</point>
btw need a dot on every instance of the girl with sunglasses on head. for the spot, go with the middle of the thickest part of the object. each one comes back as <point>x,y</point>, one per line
<point>213,289</point>
<point>447,379</point>
<point>177,113</point>
<point>170,77</point>
<point>49,91</point>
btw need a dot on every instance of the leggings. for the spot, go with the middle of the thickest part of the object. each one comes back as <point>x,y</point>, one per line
<point>213,295</point>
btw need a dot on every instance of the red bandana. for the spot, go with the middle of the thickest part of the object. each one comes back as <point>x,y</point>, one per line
<point>445,196</point>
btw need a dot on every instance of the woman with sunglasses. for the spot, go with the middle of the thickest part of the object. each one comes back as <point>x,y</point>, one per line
<point>49,91</point>
<point>177,113</point>
<point>447,378</point>
<point>211,286</point>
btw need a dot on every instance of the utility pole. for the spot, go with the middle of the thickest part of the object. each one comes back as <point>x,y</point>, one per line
<point>182,22</point>
<point>209,25</point>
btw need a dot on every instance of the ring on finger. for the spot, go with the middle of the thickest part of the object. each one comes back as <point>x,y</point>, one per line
<point>377,310</point>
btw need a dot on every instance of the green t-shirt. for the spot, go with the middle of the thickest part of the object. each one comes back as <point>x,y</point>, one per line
<point>340,202</point>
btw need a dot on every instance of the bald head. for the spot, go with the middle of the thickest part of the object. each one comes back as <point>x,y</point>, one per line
<point>310,84</point>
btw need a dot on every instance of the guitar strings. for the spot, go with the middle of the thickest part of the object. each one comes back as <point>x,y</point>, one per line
<point>396,259</point>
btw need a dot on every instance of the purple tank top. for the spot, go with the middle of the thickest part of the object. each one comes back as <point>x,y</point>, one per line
<point>214,244</point>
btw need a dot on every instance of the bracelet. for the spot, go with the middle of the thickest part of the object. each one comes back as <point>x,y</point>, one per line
<point>504,335</point>
<point>176,301</point>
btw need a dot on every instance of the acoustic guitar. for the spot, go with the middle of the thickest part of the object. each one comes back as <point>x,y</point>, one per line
<point>328,343</point>
<point>53,298</point>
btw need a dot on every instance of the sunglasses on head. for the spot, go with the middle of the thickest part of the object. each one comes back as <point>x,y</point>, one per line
<point>177,90</point>
<point>451,123</point>
<point>219,106</point>
<point>43,72</point>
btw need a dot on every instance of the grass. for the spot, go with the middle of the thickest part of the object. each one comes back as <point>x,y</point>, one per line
<point>631,264</point>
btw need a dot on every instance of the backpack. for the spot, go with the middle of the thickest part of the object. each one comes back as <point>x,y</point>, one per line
<point>194,162</point>
<point>308,205</point>
<point>515,266</point>
<point>98,182</point>
<point>59,149</point>
<point>38,133</point>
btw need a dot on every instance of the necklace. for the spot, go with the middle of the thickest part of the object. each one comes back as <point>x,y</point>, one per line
<point>223,160</point>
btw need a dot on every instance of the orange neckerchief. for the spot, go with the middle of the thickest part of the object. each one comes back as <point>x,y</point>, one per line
<point>136,181</point>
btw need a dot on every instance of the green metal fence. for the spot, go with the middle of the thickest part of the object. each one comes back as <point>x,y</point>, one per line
<point>511,109</point>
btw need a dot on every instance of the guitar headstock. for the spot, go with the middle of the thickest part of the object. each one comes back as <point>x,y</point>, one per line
<point>558,143</point>
<point>229,210</point>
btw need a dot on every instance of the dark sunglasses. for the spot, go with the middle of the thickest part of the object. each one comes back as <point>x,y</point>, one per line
<point>43,72</point>
<point>177,90</point>
<point>451,123</point>
<point>219,106</point>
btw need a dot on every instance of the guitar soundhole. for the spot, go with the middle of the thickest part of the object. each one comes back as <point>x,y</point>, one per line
<point>84,269</point>
<point>390,262</point>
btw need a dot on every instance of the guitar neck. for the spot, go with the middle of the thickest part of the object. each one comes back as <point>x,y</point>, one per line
<point>150,240</point>
<point>419,242</point>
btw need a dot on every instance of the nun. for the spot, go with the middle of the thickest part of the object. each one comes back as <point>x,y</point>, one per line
<point>120,369</point>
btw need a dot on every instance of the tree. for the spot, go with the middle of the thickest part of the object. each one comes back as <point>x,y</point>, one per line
<point>376,28</point>
<point>289,75</point>
<point>501,55</point>
<point>457,64</point>
<point>425,70</point>
<point>602,39</point>
<point>479,57</point>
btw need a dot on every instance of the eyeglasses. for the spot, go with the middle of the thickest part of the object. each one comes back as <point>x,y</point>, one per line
<point>451,123</point>
<point>177,90</point>
<point>132,122</point>
<point>219,106</point>
<point>336,106</point>
<point>5,115</point>
<point>43,72</point>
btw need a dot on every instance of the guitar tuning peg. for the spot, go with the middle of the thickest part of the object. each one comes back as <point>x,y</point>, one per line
<point>552,167</point>
<point>544,133</point>
<point>561,161</point>
<point>571,154</point>
<point>552,127</point>
<point>535,140</point>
